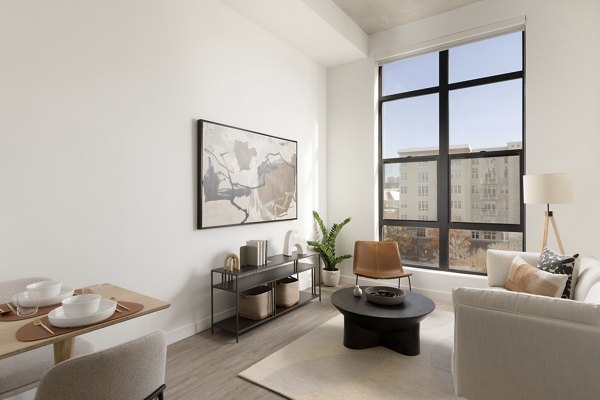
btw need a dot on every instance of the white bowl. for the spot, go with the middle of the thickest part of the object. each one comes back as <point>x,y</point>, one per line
<point>44,289</point>
<point>82,305</point>
<point>30,301</point>
<point>58,318</point>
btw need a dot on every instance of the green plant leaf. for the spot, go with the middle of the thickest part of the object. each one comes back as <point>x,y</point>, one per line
<point>321,224</point>
<point>326,246</point>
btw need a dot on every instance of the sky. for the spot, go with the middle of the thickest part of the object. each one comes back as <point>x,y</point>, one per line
<point>482,117</point>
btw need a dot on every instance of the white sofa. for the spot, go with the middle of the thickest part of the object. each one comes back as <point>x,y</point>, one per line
<point>510,345</point>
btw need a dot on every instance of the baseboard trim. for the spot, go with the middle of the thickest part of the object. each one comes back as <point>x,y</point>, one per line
<point>186,331</point>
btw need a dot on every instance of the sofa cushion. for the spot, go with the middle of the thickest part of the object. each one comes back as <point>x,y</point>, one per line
<point>523,277</point>
<point>555,263</point>
<point>499,261</point>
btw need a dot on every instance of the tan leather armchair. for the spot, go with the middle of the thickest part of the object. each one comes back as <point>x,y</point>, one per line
<point>378,260</point>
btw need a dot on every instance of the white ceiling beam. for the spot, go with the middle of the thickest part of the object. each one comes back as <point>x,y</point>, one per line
<point>318,28</point>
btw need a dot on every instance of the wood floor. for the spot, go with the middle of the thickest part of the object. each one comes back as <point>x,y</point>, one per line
<point>205,366</point>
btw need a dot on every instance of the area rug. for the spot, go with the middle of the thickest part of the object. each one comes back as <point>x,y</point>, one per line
<point>318,366</point>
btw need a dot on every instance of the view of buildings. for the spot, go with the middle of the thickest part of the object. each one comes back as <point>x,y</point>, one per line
<point>482,190</point>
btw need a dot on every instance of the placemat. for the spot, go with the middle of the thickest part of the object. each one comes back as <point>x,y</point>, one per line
<point>31,332</point>
<point>41,311</point>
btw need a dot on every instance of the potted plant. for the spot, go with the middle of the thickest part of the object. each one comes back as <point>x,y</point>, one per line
<point>325,246</point>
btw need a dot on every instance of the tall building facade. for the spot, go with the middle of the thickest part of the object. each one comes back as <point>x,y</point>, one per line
<point>482,190</point>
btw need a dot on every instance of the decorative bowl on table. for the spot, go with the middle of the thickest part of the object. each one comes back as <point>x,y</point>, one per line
<point>385,295</point>
<point>44,289</point>
<point>81,306</point>
<point>29,300</point>
<point>105,310</point>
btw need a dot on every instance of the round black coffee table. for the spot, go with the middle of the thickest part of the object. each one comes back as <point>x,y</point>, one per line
<point>369,325</point>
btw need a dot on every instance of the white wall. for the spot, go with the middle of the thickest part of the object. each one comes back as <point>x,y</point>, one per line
<point>563,123</point>
<point>98,109</point>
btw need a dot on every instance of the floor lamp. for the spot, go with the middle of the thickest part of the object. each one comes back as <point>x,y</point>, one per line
<point>548,189</point>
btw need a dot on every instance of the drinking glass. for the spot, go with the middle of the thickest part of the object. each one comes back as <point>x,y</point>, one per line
<point>95,288</point>
<point>26,304</point>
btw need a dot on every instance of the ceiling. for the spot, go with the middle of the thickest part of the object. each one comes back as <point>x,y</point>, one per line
<point>374,16</point>
<point>335,32</point>
<point>318,28</point>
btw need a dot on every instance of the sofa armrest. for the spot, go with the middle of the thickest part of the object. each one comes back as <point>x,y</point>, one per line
<point>522,346</point>
<point>499,261</point>
<point>587,287</point>
<point>529,305</point>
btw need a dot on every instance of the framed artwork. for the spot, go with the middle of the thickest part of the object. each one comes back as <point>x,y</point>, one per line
<point>244,177</point>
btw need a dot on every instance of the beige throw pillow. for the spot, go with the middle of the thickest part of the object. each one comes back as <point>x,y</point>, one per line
<point>523,277</point>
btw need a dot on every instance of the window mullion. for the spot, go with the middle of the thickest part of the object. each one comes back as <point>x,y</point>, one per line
<point>443,163</point>
<point>380,153</point>
<point>523,125</point>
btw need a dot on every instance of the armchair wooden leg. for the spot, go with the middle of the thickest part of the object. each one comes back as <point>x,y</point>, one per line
<point>409,285</point>
<point>356,280</point>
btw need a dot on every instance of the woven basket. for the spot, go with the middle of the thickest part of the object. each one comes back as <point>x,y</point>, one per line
<point>256,303</point>
<point>287,293</point>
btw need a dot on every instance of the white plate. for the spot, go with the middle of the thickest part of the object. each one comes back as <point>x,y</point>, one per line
<point>58,318</point>
<point>28,302</point>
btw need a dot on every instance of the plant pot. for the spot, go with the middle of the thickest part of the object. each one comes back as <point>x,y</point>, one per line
<point>330,278</point>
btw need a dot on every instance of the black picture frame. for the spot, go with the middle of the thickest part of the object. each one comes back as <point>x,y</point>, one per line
<point>244,177</point>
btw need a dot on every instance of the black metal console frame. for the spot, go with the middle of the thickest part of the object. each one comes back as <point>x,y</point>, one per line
<point>277,267</point>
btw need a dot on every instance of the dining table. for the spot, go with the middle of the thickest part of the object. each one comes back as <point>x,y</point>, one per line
<point>64,343</point>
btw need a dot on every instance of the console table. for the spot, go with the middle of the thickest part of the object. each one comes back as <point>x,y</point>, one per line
<point>277,267</point>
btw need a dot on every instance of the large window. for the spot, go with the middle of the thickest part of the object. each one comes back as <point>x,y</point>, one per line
<point>452,131</point>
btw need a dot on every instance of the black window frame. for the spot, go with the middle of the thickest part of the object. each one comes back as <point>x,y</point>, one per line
<point>444,159</point>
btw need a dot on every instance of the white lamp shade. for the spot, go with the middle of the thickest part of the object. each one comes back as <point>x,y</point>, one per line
<point>547,189</point>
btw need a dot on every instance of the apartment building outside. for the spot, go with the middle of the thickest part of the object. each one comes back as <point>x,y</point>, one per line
<point>482,190</point>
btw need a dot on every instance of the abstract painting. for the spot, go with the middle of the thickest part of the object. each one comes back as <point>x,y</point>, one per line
<point>244,177</point>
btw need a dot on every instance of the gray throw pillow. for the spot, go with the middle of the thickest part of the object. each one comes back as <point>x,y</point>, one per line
<point>559,264</point>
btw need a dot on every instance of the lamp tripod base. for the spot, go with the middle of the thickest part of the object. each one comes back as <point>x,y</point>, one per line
<point>549,218</point>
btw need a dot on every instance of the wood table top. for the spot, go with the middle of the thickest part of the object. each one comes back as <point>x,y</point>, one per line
<point>9,345</point>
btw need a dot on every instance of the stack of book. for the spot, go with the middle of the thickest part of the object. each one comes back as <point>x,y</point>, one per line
<point>256,252</point>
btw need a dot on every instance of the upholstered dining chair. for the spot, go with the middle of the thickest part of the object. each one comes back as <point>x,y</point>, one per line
<point>379,260</point>
<point>133,370</point>
<point>22,372</point>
